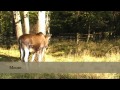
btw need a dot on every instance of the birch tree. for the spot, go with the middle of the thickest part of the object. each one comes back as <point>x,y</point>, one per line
<point>26,22</point>
<point>41,22</point>
<point>17,19</point>
<point>48,22</point>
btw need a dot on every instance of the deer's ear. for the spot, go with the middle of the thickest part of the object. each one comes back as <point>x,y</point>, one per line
<point>48,36</point>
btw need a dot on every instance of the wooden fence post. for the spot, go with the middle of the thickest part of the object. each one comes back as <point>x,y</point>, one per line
<point>77,37</point>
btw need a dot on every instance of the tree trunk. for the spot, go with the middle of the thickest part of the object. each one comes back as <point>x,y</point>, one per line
<point>13,26</point>
<point>41,22</point>
<point>47,22</point>
<point>18,25</point>
<point>0,21</point>
<point>26,22</point>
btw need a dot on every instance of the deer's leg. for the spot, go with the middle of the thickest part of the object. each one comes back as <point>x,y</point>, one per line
<point>39,55</point>
<point>33,57</point>
<point>43,54</point>
<point>21,51</point>
<point>21,54</point>
<point>26,51</point>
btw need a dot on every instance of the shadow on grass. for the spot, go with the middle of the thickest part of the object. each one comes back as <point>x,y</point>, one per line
<point>4,58</point>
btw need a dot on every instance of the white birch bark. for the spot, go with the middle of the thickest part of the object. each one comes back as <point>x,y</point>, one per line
<point>41,22</point>
<point>18,25</point>
<point>26,22</point>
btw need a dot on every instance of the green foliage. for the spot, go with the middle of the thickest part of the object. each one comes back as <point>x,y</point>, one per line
<point>7,30</point>
<point>33,17</point>
<point>79,21</point>
<point>68,21</point>
<point>63,22</point>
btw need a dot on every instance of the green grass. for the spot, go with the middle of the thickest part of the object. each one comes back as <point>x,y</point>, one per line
<point>69,51</point>
<point>60,76</point>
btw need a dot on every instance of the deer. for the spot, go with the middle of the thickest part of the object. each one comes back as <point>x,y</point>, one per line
<point>33,43</point>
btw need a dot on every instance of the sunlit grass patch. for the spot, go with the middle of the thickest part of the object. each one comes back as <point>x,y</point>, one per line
<point>71,52</point>
<point>9,55</point>
<point>14,53</point>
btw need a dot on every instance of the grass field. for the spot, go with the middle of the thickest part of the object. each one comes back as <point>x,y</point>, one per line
<point>69,51</point>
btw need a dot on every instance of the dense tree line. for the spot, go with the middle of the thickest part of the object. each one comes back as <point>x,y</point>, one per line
<point>82,21</point>
<point>86,22</point>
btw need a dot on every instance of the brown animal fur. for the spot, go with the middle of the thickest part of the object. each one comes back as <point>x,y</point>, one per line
<point>36,43</point>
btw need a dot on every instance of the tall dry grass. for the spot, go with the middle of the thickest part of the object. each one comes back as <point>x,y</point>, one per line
<point>69,51</point>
